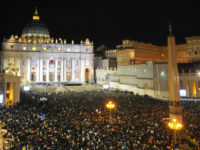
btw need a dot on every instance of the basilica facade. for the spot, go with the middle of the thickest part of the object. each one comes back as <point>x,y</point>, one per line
<point>39,58</point>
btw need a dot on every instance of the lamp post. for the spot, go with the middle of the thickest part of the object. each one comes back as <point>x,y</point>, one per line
<point>174,125</point>
<point>110,105</point>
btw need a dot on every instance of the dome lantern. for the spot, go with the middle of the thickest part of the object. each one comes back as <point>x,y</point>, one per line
<point>36,17</point>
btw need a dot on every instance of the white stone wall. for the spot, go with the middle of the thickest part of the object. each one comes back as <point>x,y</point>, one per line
<point>142,79</point>
<point>161,80</point>
<point>138,70</point>
<point>131,88</point>
<point>101,76</point>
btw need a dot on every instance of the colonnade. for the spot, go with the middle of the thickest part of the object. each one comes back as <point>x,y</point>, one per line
<point>191,85</point>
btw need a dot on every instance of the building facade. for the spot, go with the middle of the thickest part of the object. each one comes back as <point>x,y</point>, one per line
<point>151,78</point>
<point>144,79</point>
<point>133,52</point>
<point>9,87</point>
<point>42,59</point>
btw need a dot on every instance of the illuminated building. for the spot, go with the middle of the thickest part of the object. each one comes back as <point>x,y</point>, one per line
<point>133,52</point>
<point>142,69</point>
<point>193,44</point>
<point>111,53</point>
<point>189,75</point>
<point>43,59</point>
<point>9,87</point>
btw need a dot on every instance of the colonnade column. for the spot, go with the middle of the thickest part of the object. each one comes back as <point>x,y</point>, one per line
<point>190,89</point>
<point>197,89</point>
<point>61,73</point>
<point>41,69</point>
<point>64,69</point>
<point>47,70</point>
<point>56,70</point>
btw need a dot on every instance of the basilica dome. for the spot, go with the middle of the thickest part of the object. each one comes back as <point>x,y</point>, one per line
<point>36,28</point>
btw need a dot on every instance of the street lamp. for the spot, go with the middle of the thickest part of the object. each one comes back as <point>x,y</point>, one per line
<point>174,125</point>
<point>110,105</point>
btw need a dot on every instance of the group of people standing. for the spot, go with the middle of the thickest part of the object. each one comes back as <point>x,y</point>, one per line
<point>80,120</point>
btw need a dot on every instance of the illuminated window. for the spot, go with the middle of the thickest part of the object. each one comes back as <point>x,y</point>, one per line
<point>77,49</point>
<point>162,74</point>
<point>68,49</point>
<point>24,48</point>
<point>45,48</point>
<point>59,49</point>
<point>34,48</point>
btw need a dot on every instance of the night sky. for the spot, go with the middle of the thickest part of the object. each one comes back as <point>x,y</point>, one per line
<point>104,23</point>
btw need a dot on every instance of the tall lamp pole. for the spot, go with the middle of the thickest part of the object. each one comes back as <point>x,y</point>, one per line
<point>110,105</point>
<point>174,125</point>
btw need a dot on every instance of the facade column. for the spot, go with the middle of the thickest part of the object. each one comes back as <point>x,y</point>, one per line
<point>190,89</point>
<point>41,70</point>
<point>91,75</point>
<point>61,71</point>
<point>6,64</point>
<point>18,64</point>
<point>64,69</point>
<point>182,85</point>
<point>73,66</point>
<point>47,70</point>
<point>28,69</point>
<point>56,70</point>
<point>82,70</point>
<point>37,69</point>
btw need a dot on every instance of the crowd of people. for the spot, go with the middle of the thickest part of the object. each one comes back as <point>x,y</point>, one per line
<point>80,121</point>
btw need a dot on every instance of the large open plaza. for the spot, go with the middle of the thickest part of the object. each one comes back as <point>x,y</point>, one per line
<point>81,77</point>
<point>82,121</point>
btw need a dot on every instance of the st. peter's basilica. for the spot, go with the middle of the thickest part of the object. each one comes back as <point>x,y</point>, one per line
<point>39,58</point>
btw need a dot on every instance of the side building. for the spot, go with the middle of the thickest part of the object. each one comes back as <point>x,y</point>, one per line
<point>142,69</point>
<point>144,79</point>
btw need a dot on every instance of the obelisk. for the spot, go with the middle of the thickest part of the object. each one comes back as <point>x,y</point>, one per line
<point>175,108</point>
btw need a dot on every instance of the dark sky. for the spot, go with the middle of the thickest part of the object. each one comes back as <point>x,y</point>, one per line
<point>104,23</point>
